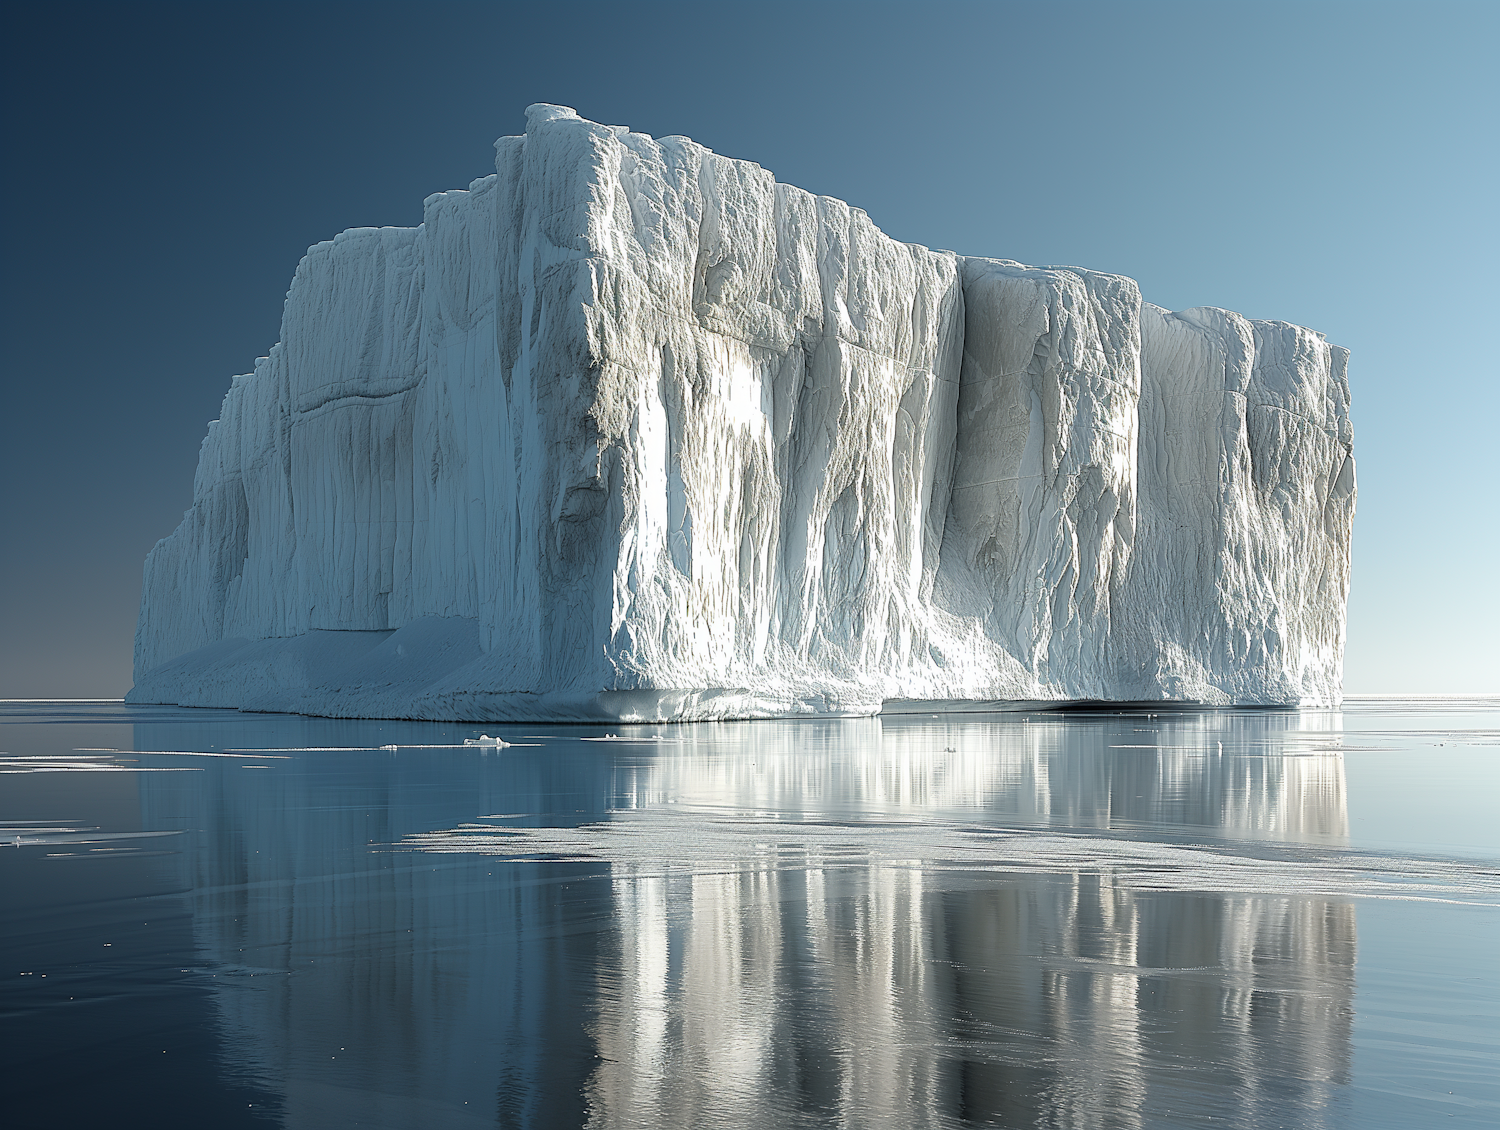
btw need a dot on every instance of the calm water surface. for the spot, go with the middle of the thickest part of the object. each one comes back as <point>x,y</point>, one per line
<point>1111,919</point>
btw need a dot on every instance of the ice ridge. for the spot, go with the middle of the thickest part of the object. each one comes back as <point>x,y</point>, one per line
<point>629,430</point>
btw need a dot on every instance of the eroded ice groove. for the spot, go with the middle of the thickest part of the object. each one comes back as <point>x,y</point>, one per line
<point>630,431</point>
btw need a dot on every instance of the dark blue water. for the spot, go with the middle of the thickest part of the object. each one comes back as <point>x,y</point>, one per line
<point>1113,919</point>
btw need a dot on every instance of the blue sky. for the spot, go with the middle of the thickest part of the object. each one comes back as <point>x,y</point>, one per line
<point>1331,164</point>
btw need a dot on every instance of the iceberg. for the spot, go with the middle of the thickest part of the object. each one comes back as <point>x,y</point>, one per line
<point>630,431</point>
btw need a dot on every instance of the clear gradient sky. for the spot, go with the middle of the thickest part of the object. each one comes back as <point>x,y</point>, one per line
<point>1331,164</point>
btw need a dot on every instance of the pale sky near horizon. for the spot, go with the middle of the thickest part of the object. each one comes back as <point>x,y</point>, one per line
<point>1329,164</point>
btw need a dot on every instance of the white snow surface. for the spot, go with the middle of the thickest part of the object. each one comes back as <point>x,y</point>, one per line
<point>631,431</point>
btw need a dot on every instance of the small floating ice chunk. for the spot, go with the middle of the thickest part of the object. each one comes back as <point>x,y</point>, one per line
<point>486,740</point>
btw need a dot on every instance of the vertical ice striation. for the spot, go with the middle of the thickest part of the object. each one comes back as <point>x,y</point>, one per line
<point>630,430</point>
<point>1043,506</point>
<point>1247,485</point>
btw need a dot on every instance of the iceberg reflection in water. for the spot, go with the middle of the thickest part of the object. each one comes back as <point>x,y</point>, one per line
<point>1084,920</point>
<point>761,975</point>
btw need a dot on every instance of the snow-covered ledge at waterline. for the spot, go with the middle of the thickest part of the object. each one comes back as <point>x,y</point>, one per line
<point>630,431</point>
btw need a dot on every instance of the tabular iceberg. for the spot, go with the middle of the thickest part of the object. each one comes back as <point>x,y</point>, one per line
<point>629,430</point>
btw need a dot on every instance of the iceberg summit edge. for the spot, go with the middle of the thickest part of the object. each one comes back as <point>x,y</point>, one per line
<point>630,431</point>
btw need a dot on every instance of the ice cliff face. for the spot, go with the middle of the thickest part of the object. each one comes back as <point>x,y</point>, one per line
<point>630,430</point>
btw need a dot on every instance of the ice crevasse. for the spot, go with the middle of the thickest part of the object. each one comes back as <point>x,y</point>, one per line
<point>628,430</point>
